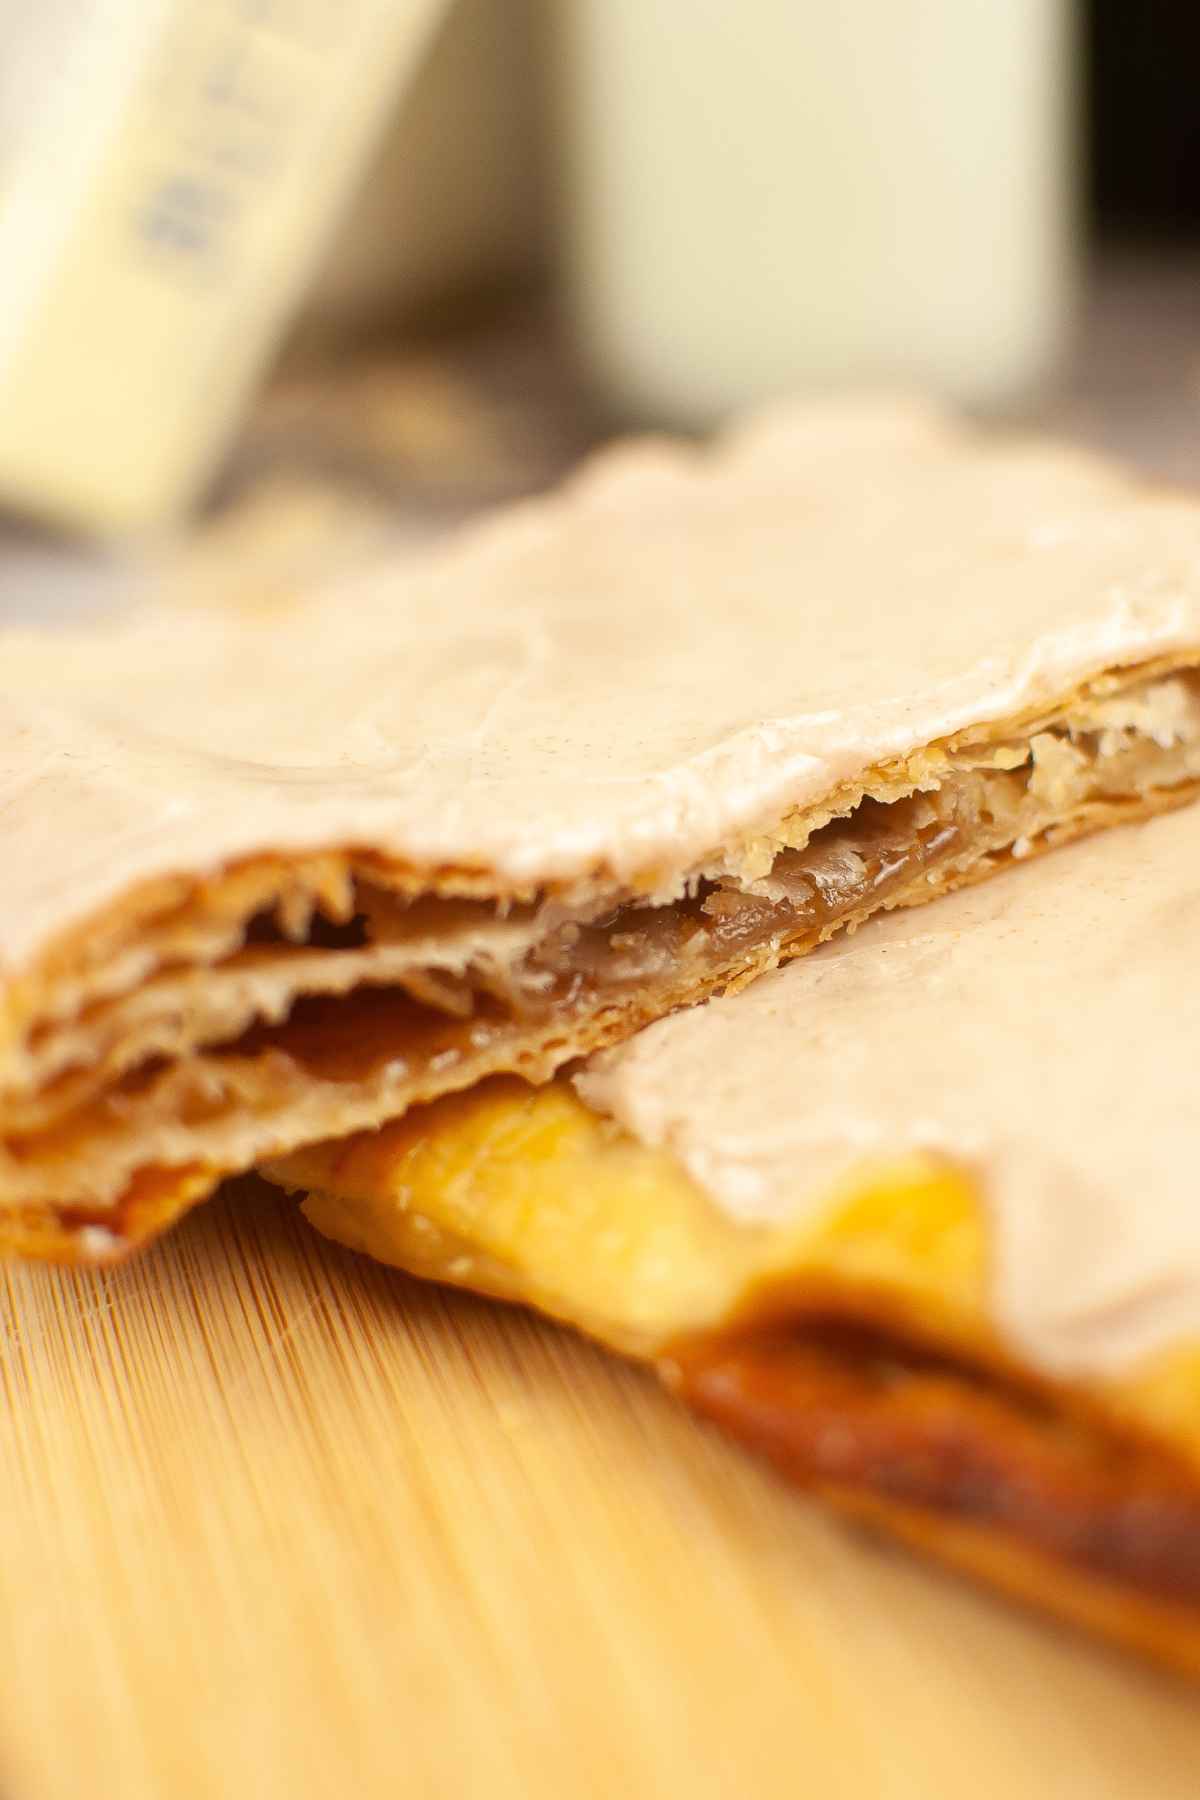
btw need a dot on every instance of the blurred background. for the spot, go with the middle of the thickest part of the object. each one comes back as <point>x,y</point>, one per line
<point>282,281</point>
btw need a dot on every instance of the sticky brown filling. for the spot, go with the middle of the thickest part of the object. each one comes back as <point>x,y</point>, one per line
<point>655,953</point>
<point>845,1409</point>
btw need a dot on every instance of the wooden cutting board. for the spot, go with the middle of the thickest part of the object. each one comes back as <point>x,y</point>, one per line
<point>279,1522</point>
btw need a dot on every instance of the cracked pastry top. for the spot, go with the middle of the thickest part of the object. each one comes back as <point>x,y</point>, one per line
<point>273,877</point>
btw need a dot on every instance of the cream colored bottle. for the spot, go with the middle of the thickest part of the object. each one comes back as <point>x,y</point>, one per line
<point>760,196</point>
<point>169,173</point>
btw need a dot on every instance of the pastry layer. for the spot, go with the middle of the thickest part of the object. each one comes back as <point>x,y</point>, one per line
<point>274,878</point>
<point>855,1346</point>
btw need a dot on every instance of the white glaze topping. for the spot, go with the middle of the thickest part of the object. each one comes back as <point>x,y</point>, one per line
<point>674,651</point>
<point>1043,1029</point>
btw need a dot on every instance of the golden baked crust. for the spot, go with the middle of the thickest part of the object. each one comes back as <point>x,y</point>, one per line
<point>856,1346</point>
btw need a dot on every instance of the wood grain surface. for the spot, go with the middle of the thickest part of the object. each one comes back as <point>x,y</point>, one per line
<point>281,1522</point>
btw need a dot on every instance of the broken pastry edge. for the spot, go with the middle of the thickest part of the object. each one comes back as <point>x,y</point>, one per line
<point>55,986</point>
<point>261,1134</point>
<point>263,1121</point>
<point>898,1251</point>
<point>155,1199</point>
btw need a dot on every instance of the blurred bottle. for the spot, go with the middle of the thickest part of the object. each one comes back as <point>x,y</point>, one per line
<point>785,193</point>
<point>170,171</point>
